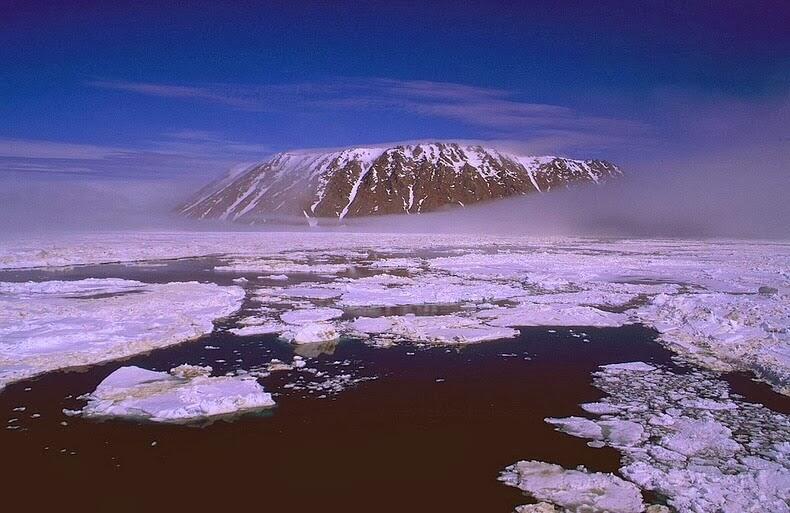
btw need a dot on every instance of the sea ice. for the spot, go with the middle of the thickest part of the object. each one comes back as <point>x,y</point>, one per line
<point>443,329</point>
<point>576,491</point>
<point>186,393</point>
<point>686,438</point>
<point>313,333</point>
<point>58,324</point>
<point>308,315</point>
<point>724,305</point>
<point>537,314</point>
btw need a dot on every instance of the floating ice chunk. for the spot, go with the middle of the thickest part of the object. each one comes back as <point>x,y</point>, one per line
<point>578,426</point>
<point>278,277</point>
<point>255,320</point>
<point>372,325</point>
<point>59,324</point>
<point>313,333</point>
<point>540,507</point>
<point>615,432</point>
<point>692,436</point>
<point>574,490</point>
<point>258,329</point>
<point>600,408</point>
<point>619,433</point>
<point>307,315</point>
<point>309,293</point>
<point>444,329</point>
<point>538,314</point>
<point>629,366</point>
<point>187,393</point>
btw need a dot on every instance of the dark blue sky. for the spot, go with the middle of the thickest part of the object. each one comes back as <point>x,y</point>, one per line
<point>185,90</point>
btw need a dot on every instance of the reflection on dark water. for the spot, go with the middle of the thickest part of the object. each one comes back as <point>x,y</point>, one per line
<point>430,434</point>
<point>743,384</point>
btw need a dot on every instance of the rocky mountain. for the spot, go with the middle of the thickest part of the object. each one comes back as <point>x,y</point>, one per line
<point>409,179</point>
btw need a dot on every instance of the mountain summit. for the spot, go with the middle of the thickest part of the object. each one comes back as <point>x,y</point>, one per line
<point>365,181</point>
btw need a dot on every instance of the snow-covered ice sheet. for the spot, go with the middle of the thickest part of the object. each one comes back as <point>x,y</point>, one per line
<point>186,393</point>
<point>58,324</point>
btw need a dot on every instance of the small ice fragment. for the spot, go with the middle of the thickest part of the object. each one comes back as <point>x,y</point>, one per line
<point>629,366</point>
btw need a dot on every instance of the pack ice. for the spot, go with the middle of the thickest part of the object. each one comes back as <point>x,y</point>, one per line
<point>685,437</point>
<point>186,393</point>
<point>59,324</point>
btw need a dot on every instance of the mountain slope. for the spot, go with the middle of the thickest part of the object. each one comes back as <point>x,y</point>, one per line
<point>386,180</point>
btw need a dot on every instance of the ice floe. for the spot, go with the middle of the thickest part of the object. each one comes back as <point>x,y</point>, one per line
<point>686,438</point>
<point>444,329</point>
<point>308,315</point>
<point>258,329</point>
<point>186,393</point>
<point>59,324</point>
<point>577,491</point>
<point>388,290</point>
<point>312,333</point>
<point>536,314</point>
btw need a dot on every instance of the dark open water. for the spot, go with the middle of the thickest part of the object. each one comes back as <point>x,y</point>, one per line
<point>403,442</point>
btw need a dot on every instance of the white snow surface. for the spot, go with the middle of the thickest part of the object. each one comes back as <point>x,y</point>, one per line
<point>186,393</point>
<point>308,315</point>
<point>721,304</point>
<point>576,491</point>
<point>444,329</point>
<point>59,324</point>
<point>312,333</point>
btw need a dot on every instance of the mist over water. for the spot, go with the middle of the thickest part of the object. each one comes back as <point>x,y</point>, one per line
<point>726,197</point>
<point>723,172</point>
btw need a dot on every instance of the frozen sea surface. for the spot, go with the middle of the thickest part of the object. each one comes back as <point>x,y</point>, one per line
<point>721,304</point>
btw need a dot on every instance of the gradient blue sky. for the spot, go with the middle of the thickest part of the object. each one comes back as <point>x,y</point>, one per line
<point>149,90</point>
